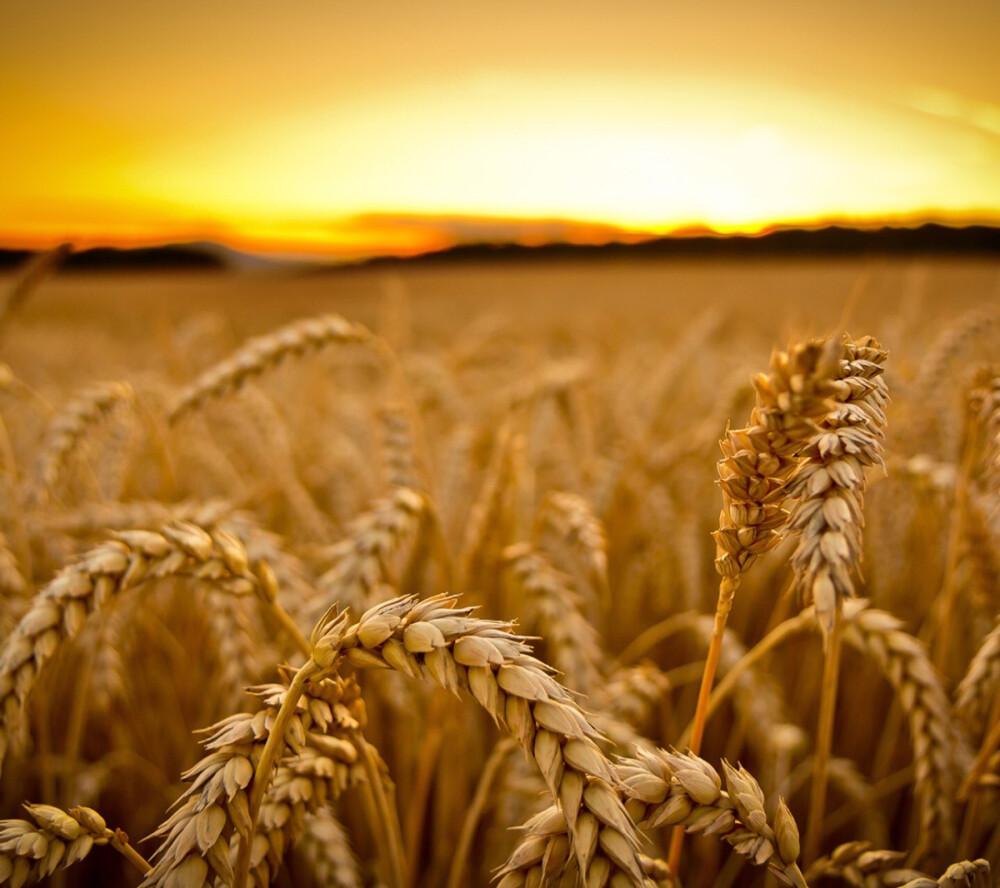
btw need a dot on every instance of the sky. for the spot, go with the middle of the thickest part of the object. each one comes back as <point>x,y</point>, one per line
<point>348,129</point>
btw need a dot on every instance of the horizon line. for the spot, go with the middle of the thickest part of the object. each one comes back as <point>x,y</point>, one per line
<point>406,235</point>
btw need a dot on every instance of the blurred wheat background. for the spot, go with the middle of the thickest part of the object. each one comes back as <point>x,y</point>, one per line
<point>215,482</point>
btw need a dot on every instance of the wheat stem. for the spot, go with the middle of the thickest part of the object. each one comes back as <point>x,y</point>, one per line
<point>824,739</point>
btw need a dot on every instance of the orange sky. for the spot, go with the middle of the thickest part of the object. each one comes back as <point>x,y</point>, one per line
<point>336,128</point>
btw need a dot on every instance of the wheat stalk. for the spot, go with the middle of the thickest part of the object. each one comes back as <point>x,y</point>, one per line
<point>34,272</point>
<point>59,611</point>
<point>675,789</point>
<point>224,784</point>
<point>552,609</point>
<point>430,639</point>
<point>56,839</point>
<point>70,425</point>
<point>264,353</point>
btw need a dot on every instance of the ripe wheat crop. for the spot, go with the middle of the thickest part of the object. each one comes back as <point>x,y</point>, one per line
<point>344,603</point>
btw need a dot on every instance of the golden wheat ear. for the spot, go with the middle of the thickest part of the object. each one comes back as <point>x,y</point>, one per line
<point>265,353</point>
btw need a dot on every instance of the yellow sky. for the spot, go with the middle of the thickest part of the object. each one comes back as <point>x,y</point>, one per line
<point>314,125</point>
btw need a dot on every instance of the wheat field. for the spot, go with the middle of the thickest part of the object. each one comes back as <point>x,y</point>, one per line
<point>410,576</point>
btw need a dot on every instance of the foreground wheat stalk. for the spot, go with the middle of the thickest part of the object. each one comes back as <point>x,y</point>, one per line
<point>430,639</point>
<point>828,517</point>
<point>939,751</point>
<point>756,467</point>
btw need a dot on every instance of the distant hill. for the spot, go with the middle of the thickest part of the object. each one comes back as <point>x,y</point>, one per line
<point>834,240</point>
<point>202,256</point>
<point>929,239</point>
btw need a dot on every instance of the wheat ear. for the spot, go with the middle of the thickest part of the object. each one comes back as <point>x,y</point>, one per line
<point>327,850</point>
<point>857,863</point>
<point>70,425</point>
<point>59,611</point>
<point>360,561</point>
<point>430,639</point>
<point>57,839</point>
<point>553,610</point>
<point>939,750</point>
<point>828,519</point>
<point>226,783</point>
<point>263,353</point>
<point>977,690</point>
<point>965,874</point>
<point>675,789</point>
<point>757,464</point>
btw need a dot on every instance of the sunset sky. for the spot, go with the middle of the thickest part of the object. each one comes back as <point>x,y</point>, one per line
<point>357,128</point>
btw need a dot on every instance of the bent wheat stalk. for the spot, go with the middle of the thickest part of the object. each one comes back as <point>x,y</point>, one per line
<point>58,613</point>
<point>263,353</point>
<point>432,640</point>
<point>57,839</point>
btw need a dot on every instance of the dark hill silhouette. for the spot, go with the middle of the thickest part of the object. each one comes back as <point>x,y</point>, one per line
<point>833,240</point>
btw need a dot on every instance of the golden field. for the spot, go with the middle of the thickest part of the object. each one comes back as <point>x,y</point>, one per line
<point>195,473</point>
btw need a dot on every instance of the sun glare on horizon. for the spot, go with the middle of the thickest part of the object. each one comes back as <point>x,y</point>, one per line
<point>726,150</point>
